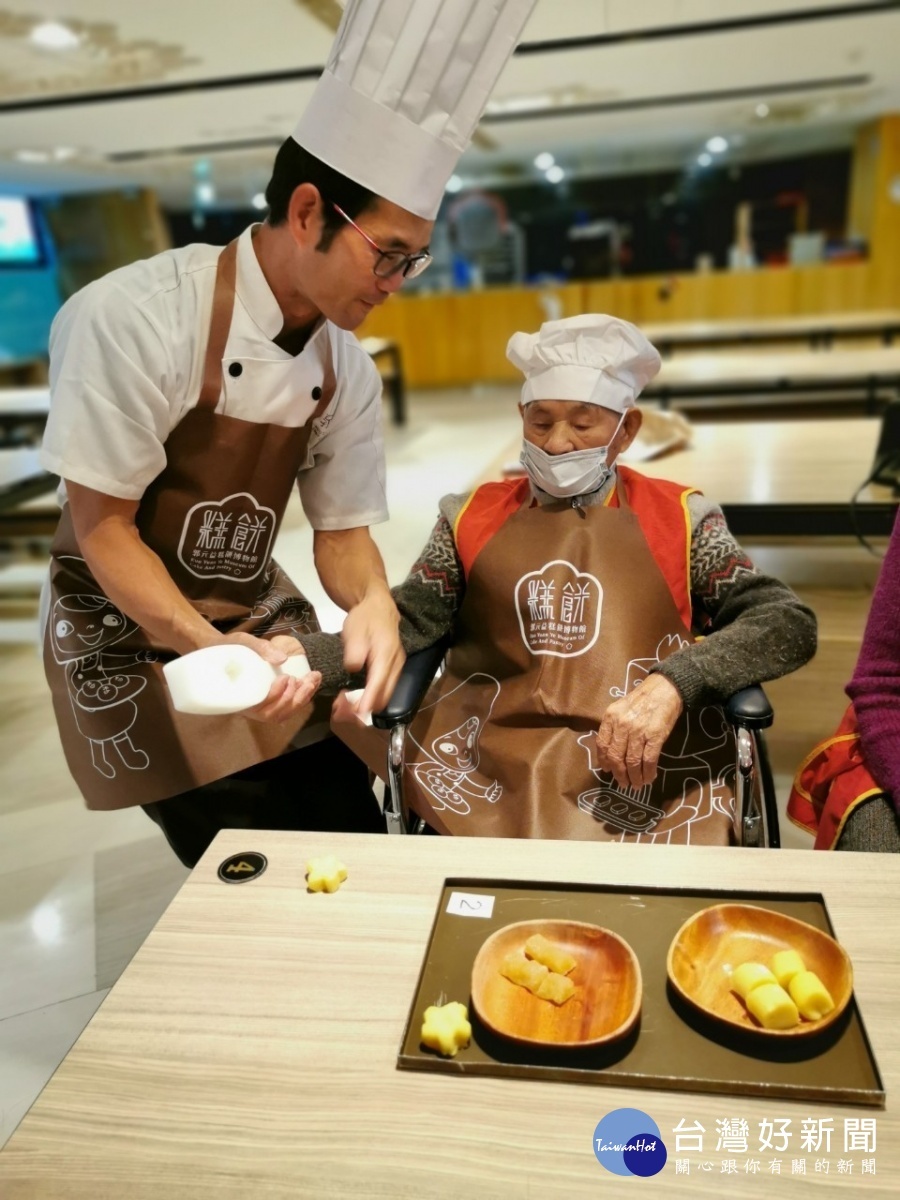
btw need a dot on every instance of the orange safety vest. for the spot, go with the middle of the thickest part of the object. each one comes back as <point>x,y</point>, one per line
<point>660,507</point>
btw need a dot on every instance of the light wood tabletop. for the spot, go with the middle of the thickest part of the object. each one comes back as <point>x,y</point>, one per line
<point>24,402</point>
<point>250,1048</point>
<point>815,327</point>
<point>696,374</point>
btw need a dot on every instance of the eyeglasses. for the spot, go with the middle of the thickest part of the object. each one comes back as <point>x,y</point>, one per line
<point>389,262</point>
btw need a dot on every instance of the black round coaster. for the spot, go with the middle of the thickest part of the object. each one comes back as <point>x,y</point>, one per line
<point>241,868</point>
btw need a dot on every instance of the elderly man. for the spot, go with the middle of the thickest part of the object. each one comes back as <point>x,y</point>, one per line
<point>598,617</point>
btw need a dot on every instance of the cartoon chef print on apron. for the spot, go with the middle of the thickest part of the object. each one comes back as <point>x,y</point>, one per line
<point>212,516</point>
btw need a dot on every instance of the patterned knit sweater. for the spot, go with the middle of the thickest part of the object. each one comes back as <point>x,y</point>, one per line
<point>875,686</point>
<point>754,627</point>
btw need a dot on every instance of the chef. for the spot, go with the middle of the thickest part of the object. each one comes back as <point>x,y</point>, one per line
<point>191,390</point>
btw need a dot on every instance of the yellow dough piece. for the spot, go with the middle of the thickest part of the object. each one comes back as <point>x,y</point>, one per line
<point>523,971</point>
<point>810,995</point>
<point>748,976</point>
<point>544,951</point>
<point>446,1028</point>
<point>772,1007</point>
<point>556,988</point>
<point>785,965</point>
<point>325,874</point>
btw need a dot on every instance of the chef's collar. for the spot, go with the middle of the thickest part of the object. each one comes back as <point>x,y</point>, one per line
<point>255,294</point>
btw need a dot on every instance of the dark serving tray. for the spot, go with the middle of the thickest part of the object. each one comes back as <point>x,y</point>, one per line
<point>673,1046</point>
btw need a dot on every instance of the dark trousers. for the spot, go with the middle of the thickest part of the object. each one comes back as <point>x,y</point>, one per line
<point>323,787</point>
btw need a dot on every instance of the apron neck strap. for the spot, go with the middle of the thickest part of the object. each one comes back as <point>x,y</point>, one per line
<point>219,325</point>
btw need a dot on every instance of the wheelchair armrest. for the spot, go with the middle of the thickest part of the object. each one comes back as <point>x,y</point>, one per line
<point>418,671</point>
<point>750,708</point>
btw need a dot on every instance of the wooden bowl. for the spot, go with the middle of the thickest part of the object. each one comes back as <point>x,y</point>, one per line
<point>714,941</point>
<point>607,978</point>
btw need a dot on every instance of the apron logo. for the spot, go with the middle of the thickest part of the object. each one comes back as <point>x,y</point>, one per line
<point>227,539</point>
<point>242,867</point>
<point>559,609</point>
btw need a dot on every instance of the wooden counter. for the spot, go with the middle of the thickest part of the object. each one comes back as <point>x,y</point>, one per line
<point>250,1047</point>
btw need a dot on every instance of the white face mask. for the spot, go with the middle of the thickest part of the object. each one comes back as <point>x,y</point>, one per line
<point>577,473</point>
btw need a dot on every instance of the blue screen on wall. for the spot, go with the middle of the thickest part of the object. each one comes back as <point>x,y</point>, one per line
<point>20,244</point>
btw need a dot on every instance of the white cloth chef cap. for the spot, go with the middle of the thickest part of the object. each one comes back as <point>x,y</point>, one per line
<point>594,359</point>
<point>403,90</point>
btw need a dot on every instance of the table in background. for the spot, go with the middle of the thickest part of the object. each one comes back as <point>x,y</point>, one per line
<point>819,330</point>
<point>786,478</point>
<point>789,376</point>
<point>392,375</point>
<point>250,1047</point>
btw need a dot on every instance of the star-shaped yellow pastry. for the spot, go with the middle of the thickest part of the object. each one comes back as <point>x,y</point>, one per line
<point>446,1028</point>
<point>325,873</point>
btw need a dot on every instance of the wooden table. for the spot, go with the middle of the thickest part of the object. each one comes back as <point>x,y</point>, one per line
<point>786,477</point>
<point>250,1047</point>
<point>385,348</point>
<point>818,329</point>
<point>861,374</point>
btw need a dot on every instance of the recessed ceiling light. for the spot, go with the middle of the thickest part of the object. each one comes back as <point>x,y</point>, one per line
<point>717,145</point>
<point>53,35</point>
<point>554,174</point>
<point>454,184</point>
<point>762,110</point>
<point>259,201</point>
<point>544,161</point>
<point>205,193</point>
<point>703,160</point>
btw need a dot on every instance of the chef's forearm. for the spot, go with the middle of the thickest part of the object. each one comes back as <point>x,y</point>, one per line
<point>350,566</point>
<point>131,575</point>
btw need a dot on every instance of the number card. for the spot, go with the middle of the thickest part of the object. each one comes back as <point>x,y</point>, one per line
<point>467,904</point>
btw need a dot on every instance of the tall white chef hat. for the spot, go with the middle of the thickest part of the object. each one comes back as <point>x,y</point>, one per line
<point>404,88</point>
<point>594,359</point>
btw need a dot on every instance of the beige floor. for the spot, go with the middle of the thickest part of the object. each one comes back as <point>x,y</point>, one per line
<point>79,891</point>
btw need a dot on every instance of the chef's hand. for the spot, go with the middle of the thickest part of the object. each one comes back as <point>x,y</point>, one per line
<point>635,729</point>
<point>371,640</point>
<point>287,695</point>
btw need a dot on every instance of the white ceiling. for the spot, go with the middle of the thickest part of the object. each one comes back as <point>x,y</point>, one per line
<point>124,45</point>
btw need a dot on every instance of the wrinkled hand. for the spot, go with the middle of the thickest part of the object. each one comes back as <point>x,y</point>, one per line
<point>287,696</point>
<point>634,730</point>
<point>371,640</point>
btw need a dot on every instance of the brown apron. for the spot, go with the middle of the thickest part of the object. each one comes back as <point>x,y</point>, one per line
<point>211,515</point>
<point>563,613</point>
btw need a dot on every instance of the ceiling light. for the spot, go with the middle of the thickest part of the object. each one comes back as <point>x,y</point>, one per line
<point>717,145</point>
<point>554,174</point>
<point>259,201</point>
<point>32,156</point>
<point>762,110</point>
<point>62,153</point>
<point>454,184</point>
<point>53,35</point>
<point>544,161</point>
<point>204,193</point>
<point>703,160</point>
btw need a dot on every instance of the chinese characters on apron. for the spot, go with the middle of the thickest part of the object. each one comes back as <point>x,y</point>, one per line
<point>211,516</point>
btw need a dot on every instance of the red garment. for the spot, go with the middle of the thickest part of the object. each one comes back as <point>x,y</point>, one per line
<point>660,507</point>
<point>831,784</point>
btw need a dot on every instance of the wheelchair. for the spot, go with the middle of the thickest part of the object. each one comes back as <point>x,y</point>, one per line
<point>748,711</point>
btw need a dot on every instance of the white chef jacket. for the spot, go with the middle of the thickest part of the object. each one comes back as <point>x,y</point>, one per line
<point>126,363</point>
